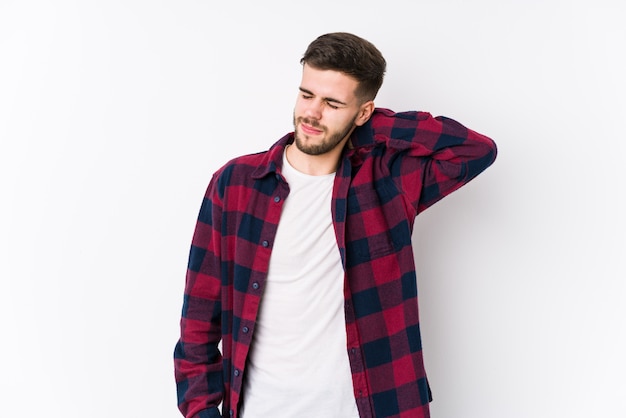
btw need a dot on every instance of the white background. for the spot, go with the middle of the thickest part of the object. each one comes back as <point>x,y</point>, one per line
<point>114,115</point>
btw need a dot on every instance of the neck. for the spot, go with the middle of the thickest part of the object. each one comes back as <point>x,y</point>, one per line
<point>314,165</point>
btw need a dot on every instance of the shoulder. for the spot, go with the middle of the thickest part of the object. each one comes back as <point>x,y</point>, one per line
<point>239,170</point>
<point>243,163</point>
<point>244,170</point>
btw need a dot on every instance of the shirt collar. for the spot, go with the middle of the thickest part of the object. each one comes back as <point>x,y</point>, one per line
<point>273,160</point>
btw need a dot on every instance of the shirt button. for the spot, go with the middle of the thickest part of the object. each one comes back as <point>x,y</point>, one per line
<point>353,350</point>
<point>276,199</point>
<point>255,285</point>
<point>245,330</point>
<point>231,412</point>
<point>236,372</point>
<point>265,244</point>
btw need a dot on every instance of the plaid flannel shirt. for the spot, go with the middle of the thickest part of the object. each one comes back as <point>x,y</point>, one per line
<point>398,164</point>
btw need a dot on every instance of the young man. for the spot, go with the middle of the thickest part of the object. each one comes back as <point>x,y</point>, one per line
<point>301,263</point>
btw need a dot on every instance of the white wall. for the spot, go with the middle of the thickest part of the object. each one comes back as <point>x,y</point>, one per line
<point>114,114</point>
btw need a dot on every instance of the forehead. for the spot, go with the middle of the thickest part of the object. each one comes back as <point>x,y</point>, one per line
<point>329,84</point>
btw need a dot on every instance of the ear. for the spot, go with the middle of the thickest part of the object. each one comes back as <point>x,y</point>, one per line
<point>365,112</point>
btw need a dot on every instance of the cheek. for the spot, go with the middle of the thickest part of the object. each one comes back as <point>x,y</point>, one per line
<point>339,123</point>
<point>298,108</point>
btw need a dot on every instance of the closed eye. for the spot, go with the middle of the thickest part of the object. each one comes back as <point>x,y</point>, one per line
<point>332,103</point>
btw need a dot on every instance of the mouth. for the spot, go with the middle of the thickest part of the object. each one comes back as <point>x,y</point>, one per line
<point>309,130</point>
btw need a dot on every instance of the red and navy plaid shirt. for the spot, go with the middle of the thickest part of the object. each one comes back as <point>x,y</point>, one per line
<point>398,164</point>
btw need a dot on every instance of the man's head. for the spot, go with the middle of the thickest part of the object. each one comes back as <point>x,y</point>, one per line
<point>350,55</point>
<point>341,74</point>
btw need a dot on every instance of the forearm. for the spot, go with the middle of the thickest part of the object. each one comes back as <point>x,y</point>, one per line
<point>198,374</point>
<point>197,359</point>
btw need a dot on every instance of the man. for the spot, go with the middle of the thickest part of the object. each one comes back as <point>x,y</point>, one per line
<point>301,263</point>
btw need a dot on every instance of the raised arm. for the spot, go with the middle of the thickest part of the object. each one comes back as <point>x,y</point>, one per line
<point>429,157</point>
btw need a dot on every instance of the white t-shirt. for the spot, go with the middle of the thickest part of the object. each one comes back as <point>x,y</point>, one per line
<point>298,364</point>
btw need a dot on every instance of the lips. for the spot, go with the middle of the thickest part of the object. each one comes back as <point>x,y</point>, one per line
<point>309,130</point>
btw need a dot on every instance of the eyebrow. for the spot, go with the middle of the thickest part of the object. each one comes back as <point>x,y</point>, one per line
<point>328,99</point>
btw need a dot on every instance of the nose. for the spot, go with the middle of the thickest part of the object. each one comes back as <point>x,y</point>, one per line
<point>314,109</point>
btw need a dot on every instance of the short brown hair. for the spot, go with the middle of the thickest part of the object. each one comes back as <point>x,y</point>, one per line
<point>351,55</point>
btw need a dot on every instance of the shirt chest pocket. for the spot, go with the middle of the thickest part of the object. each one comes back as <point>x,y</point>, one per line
<point>376,224</point>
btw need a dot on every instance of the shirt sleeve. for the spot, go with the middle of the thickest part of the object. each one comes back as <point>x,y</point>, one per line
<point>197,358</point>
<point>430,157</point>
